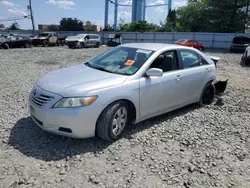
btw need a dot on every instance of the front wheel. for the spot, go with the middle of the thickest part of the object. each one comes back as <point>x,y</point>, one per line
<point>27,45</point>
<point>112,121</point>
<point>208,94</point>
<point>97,45</point>
<point>6,46</point>
<point>45,43</point>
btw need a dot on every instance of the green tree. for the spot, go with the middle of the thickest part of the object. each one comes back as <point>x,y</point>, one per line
<point>212,16</point>
<point>71,24</point>
<point>170,23</point>
<point>227,16</point>
<point>88,26</point>
<point>108,28</point>
<point>53,27</point>
<point>141,26</point>
<point>14,26</point>
<point>193,18</point>
<point>2,26</point>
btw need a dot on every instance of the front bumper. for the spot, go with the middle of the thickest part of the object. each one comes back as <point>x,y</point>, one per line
<point>73,43</point>
<point>71,122</point>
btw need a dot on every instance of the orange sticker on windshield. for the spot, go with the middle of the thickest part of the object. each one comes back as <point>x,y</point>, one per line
<point>129,62</point>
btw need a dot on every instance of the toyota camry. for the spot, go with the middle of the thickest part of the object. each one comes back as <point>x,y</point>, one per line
<point>124,85</point>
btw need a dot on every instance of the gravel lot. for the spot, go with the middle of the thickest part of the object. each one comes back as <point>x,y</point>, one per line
<point>191,147</point>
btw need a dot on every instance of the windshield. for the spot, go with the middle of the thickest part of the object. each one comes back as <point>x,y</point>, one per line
<point>241,40</point>
<point>181,40</point>
<point>121,60</point>
<point>80,36</point>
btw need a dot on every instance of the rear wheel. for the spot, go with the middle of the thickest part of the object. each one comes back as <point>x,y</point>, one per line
<point>45,43</point>
<point>112,121</point>
<point>26,45</point>
<point>208,94</point>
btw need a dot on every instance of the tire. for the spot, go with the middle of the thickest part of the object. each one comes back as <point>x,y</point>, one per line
<point>59,43</point>
<point>45,43</point>
<point>207,95</point>
<point>97,45</point>
<point>26,45</point>
<point>82,45</point>
<point>6,46</point>
<point>105,128</point>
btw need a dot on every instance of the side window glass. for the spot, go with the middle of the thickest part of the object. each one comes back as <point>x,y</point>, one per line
<point>13,38</point>
<point>167,61</point>
<point>189,58</point>
<point>203,61</point>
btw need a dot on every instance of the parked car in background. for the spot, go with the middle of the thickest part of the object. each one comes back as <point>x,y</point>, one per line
<point>239,44</point>
<point>114,39</point>
<point>190,43</point>
<point>4,43</point>
<point>83,40</point>
<point>127,84</point>
<point>15,41</point>
<point>48,39</point>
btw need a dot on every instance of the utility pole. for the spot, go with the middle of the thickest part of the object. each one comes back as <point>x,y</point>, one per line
<point>31,17</point>
<point>246,17</point>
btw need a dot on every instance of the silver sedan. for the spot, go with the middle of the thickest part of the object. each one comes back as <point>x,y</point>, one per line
<point>127,84</point>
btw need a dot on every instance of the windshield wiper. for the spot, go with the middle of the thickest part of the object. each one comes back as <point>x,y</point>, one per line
<point>102,69</point>
<point>98,68</point>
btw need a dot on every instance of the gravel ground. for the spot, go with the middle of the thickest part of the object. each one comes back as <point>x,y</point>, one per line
<point>187,148</point>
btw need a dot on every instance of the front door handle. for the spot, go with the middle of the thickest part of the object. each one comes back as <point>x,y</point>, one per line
<point>178,77</point>
<point>207,70</point>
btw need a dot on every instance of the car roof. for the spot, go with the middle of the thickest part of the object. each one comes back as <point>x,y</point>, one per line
<point>153,46</point>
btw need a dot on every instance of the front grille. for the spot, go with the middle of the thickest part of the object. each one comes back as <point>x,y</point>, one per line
<point>71,43</point>
<point>41,99</point>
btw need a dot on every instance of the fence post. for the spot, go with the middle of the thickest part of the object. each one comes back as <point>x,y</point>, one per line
<point>173,37</point>
<point>154,37</point>
<point>194,36</point>
<point>213,40</point>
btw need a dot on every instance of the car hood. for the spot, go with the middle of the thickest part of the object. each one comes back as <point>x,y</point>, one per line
<point>41,38</point>
<point>78,80</point>
<point>73,39</point>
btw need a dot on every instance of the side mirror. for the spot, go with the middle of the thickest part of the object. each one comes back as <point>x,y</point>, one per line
<point>154,72</point>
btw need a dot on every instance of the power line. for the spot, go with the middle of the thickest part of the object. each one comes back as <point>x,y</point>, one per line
<point>125,8</point>
<point>158,11</point>
<point>13,19</point>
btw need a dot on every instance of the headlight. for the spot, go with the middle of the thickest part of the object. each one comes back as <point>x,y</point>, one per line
<point>75,102</point>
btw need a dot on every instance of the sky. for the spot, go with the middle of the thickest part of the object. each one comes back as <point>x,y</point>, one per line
<point>51,11</point>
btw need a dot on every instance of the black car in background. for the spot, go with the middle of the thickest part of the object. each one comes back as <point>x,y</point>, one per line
<point>240,43</point>
<point>15,41</point>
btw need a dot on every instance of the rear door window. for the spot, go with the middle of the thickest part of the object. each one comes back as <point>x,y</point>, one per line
<point>189,58</point>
